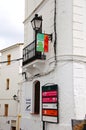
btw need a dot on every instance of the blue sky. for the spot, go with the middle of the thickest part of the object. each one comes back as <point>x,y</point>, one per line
<point>11,22</point>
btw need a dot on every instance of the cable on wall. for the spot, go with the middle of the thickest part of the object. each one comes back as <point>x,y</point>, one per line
<point>2,62</point>
<point>55,41</point>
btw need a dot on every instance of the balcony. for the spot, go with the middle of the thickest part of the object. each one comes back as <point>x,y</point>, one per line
<point>30,54</point>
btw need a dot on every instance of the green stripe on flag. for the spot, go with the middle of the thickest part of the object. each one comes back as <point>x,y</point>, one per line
<point>40,42</point>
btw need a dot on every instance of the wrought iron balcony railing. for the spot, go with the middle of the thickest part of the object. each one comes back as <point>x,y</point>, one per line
<point>30,54</point>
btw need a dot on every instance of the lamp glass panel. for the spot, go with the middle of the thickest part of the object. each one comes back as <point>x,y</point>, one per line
<point>33,24</point>
<point>37,24</point>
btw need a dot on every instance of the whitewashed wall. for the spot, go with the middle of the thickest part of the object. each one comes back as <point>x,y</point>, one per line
<point>70,74</point>
<point>79,51</point>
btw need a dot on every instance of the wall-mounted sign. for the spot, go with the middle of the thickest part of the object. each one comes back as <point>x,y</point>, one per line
<point>49,112</point>
<point>49,93</point>
<point>49,100</point>
<point>50,103</point>
<point>28,105</point>
<point>42,42</point>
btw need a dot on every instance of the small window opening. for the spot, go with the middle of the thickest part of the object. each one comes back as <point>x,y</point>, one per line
<point>8,59</point>
<point>7,87</point>
<point>6,110</point>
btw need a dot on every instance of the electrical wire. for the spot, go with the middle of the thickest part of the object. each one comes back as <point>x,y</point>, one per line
<point>67,60</point>
<point>2,62</point>
<point>60,56</point>
<point>55,41</point>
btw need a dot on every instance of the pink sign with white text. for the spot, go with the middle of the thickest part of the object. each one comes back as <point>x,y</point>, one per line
<point>49,93</point>
<point>50,99</point>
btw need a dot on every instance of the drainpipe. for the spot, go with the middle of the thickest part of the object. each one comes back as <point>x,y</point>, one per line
<point>19,118</point>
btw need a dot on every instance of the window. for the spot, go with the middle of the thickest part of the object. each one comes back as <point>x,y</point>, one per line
<point>36,98</point>
<point>8,59</point>
<point>7,86</point>
<point>6,110</point>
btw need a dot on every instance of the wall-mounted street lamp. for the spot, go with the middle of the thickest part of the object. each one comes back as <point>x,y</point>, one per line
<point>36,22</point>
<point>15,97</point>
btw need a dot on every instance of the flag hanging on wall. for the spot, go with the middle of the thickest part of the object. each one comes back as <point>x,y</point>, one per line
<point>42,42</point>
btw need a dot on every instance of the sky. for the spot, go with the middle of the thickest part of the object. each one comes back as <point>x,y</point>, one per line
<point>11,22</point>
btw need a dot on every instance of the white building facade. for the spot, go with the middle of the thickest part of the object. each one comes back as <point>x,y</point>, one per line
<point>10,86</point>
<point>64,66</point>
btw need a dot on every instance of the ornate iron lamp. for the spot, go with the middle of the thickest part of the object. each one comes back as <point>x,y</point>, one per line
<point>36,22</point>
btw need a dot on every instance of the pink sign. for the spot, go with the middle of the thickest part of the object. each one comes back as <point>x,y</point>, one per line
<point>51,99</point>
<point>49,93</point>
